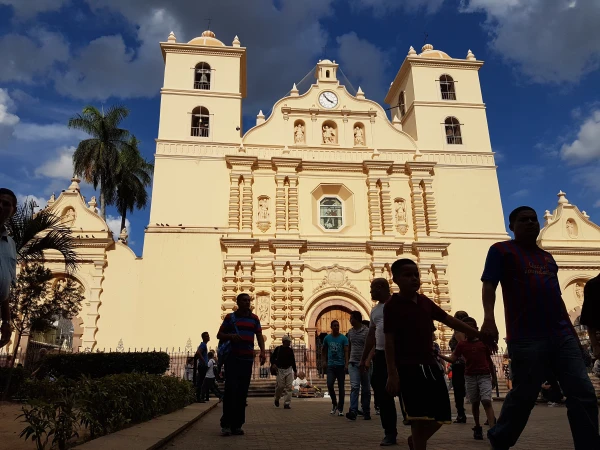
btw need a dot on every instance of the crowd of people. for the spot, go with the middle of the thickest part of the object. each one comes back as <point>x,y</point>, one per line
<point>395,354</point>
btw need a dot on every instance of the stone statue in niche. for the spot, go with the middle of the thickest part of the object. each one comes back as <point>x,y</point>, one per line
<point>262,309</point>
<point>400,215</point>
<point>329,136</point>
<point>69,217</point>
<point>579,292</point>
<point>263,222</point>
<point>299,134</point>
<point>359,136</point>
<point>572,230</point>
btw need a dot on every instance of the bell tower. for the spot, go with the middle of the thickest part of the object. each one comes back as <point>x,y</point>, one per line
<point>326,72</point>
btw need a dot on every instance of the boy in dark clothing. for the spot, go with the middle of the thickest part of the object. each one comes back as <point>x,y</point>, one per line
<point>458,374</point>
<point>479,376</point>
<point>412,370</point>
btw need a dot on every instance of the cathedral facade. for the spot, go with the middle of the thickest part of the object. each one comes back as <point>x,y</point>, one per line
<point>304,209</point>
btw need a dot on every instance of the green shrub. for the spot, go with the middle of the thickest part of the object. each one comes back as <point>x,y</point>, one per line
<point>97,365</point>
<point>102,405</point>
<point>16,380</point>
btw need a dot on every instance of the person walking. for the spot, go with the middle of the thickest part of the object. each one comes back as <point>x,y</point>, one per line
<point>334,355</point>
<point>201,366</point>
<point>209,383</point>
<point>8,262</point>
<point>540,334</point>
<point>458,373</point>
<point>412,369</point>
<point>360,381</point>
<point>590,313</point>
<point>283,362</point>
<point>239,328</point>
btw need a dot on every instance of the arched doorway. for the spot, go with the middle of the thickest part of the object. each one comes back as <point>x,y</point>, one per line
<point>331,313</point>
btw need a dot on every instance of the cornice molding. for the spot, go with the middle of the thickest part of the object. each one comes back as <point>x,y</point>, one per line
<point>386,246</point>
<point>287,243</point>
<point>242,161</point>
<point>234,52</point>
<point>342,246</point>
<point>200,93</point>
<point>378,165</point>
<point>229,242</point>
<point>430,247</point>
<point>414,167</point>
<point>337,266</point>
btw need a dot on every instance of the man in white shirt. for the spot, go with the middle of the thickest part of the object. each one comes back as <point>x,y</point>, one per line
<point>380,292</point>
<point>8,261</point>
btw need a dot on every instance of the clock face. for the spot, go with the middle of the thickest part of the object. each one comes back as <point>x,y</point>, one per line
<point>328,100</point>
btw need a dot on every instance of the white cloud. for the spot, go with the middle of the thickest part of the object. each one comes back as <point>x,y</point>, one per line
<point>586,147</point>
<point>60,166</point>
<point>31,57</point>
<point>8,121</point>
<point>114,224</point>
<point>597,204</point>
<point>520,193</point>
<point>48,132</point>
<point>39,201</point>
<point>364,63</point>
<point>552,41</point>
<point>25,9</point>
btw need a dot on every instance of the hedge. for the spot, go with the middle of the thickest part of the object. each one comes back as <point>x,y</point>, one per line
<point>16,380</point>
<point>98,365</point>
<point>56,409</point>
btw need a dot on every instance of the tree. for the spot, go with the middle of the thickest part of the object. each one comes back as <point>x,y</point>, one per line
<point>36,302</point>
<point>133,176</point>
<point>96,159</point>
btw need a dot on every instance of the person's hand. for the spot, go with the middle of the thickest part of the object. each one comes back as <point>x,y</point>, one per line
<point>236,338</point>
<point>363,366</point>
<point>262,357</point>
<point>489,334</point>
<point>393,384</point>
<point>346,368</point>
<point>6,332</point>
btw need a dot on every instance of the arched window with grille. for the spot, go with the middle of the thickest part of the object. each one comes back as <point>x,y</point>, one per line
<point>402,104</point>
<point>330,213</point>
<point>453,134</point>
<point>200,122</point>
<point>202,76</point>
<point>447,87</point>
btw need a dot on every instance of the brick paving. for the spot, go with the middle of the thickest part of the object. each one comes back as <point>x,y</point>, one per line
<point>308,425</point>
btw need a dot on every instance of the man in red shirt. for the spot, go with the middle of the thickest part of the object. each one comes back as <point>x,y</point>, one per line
<point>479,376</point>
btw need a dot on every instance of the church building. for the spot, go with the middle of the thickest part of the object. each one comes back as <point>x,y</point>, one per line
<point>304,209</point>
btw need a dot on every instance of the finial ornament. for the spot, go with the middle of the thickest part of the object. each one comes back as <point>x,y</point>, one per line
<point>360,93</point>
<point>124,236</point>
<point>74,183</point>
<point>427,47</point>
<point>411,51</point>
<point>471,56</point>
<point>294,92</point>
<point>547,217</point>
<point>92,203</point>
<point>586,215</point>
<point>236,42</point>
<point>172,37</point>
<point>562,199</point>
<point>52,199</point>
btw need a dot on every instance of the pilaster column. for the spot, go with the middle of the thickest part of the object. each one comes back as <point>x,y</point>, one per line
<point>374,207</point>
<point>280,204</point>
<point>430,207</point>
<point>380,203</point>
<point>423,202</point>
<point>293,204</point>
<point>296,289</point>
<point>418,209</point>
<point>279,304</point>
<point>286,198</point>
<point>234,201</point>
<point>90,323</point>
<point>386,206</point>
<point>229,287</point>
<point>247,203</point>
<point>240,192</point>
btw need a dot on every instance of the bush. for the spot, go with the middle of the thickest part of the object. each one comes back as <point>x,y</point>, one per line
<point>16,380</point>
<point>98,365</point>
<point>102,405</point>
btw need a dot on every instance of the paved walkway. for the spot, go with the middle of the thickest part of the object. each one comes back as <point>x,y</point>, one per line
<point>308,425</point>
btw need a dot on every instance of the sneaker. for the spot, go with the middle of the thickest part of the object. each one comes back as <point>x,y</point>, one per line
<point>351,415</point>
<point>333,411</point>
<point>287,407</point>
<point>367,416</point>
<point>461,419</point>
<point>237,432</point>
<point>340,414</point>
<point>478,433</point>
<point>388,441</point>
<point>225,431</point>
<point>276,403</point>
<point>377,411</point>
<point>552,404</point>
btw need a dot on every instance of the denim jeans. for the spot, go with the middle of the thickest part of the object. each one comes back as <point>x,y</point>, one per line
<point>531,361</point>
<point>359,383</point>
<point>336,373</point>
<point>237,381</point>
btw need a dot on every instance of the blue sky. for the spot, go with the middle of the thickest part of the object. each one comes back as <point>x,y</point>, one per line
<point>540,81</point>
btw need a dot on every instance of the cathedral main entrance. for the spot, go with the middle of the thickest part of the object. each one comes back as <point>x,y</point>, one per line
<point>339,313</point>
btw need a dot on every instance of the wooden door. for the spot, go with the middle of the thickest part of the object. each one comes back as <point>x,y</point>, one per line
<point>341,314</point>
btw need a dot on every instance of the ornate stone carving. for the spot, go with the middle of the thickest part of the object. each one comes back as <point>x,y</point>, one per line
<point>578,287</point>
<point>263,215</point>
<point>359,136</point>
<point>263,308</point>
<point>299,134</point>
<point>120,347</point>
<point>68,217</point>
<point>572,229</point>
<point>92,204</point>
<point>400,215</point>
<point>336,277</point>
<point>329,134</point>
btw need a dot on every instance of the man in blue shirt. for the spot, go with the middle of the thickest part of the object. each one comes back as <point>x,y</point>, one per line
<point>335,362</point>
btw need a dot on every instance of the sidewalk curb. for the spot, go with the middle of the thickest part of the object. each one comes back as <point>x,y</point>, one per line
<point>149,435</point>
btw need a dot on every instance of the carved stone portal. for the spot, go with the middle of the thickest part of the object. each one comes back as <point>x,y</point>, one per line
<point>264,222</point>
<point>400,215</point>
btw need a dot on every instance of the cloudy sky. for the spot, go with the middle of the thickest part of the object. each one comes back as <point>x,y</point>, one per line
<point>540,81</point>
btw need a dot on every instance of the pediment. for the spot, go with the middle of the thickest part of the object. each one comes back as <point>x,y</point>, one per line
<point>567,226</point>
<point>355,122</point>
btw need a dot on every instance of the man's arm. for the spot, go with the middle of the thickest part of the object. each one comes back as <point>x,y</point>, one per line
<point>324,355</point>
<point>393,381</point>
<point>369,345</point>
<point>459,325</point>
<point>451,359</point>
<point>347,354</point>
<point>261,344</point>
<point>294,364</point>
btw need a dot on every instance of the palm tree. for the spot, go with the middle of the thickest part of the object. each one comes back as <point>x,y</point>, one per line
<point>96,159</point>
<point>132,177</point>
<point>36,233</point>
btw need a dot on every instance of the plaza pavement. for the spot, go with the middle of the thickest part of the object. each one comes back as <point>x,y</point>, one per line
<point>308,425</point>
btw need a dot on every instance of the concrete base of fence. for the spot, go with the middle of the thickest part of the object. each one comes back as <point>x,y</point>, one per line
<point>153,434</point>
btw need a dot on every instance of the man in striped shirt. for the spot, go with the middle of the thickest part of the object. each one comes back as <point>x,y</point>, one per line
<point>540,335</point>
<point>239,327</point>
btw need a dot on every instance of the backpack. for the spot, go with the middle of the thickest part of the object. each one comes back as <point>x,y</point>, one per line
<point>225,348</point>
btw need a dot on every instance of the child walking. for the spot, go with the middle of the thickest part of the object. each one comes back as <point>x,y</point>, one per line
<point>480,376</point>
<point>209,383</point>
<point>413,372</point>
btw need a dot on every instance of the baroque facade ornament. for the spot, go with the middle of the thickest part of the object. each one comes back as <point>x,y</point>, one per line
<point>336,277</point>
<point>578,287</point>
<point>68,217</point>
<point>299,134</point>
<point>359,136</point>
<point>263,307</point>
<point>400,215</point>
<point>572,229</point>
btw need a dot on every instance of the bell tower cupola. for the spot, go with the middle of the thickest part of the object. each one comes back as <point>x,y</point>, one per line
<point>326,71</point>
